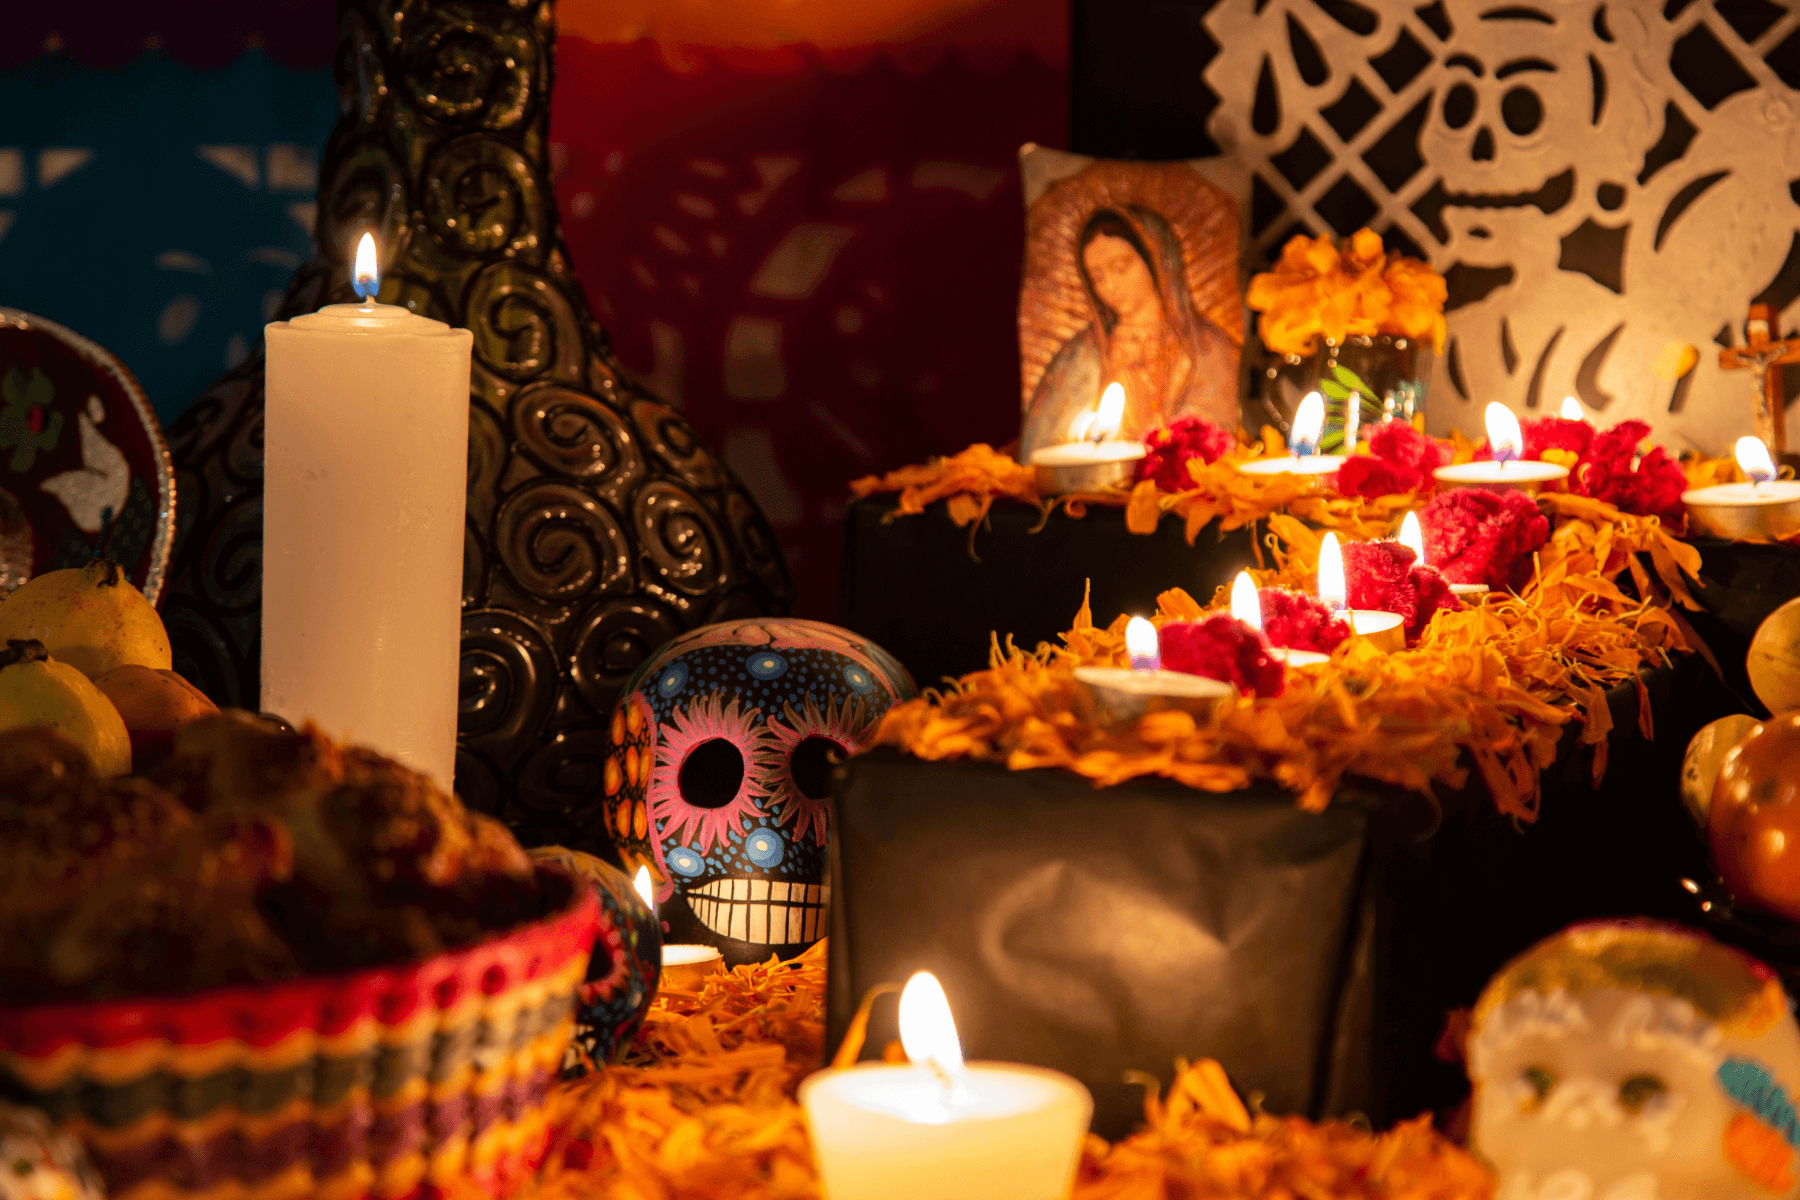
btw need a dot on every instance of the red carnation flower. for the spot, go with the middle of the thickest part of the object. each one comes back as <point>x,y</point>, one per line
<point>1547,433</point>
<point>1385,576</point>
<point>1404,446</point>
<point>1167,451</point>
<point>1477,536</point>
<point>1651,488</point>
<point>1371,477</point>
<point>1297,621</point>
<point>1223,647</point>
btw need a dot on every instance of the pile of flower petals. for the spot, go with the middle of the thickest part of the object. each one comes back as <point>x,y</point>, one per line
<point>1400,459</point>
<point>1201,1143</point>
<point>703,1108</point>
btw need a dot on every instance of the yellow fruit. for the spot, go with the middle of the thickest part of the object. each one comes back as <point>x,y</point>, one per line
<point>154,705</point>
<point>88,617</point>
<point>37,690</point>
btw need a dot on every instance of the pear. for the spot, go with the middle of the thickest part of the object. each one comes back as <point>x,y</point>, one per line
<point>154,705</point>
<point>35,689</point>
<point>89,617</point>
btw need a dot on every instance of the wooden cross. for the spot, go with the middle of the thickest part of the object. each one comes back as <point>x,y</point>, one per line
<point>1758,354</point>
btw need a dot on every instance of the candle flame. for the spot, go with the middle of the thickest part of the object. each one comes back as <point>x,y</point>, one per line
<point>1753,459</point>
<point>1571,409</point>
<point>1142,644</point>
<point>644,887</point>
<point>1246,605</point>
<point>927,1030</point>
<point>1412,536</point>
<point>1111,414</point>
<point>1331,573</point>
<point>1352,422</point>
<point>367,274</point>
<point>1505,442</point>
<point>1309,422</point>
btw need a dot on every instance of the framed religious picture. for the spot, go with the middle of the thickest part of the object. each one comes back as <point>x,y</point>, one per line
<point>1131,277</point>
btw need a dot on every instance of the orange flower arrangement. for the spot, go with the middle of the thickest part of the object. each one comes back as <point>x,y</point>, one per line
<point>703,1109</point>
<point>1360,290</point>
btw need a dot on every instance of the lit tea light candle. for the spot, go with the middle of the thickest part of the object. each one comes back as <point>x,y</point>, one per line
<point>366,436</point>
<point>1766,508</point>
<point>1303,457</point>
<point>1412,536</point>
<point>938,1128</point>
<point>1094,457</point>
<point>1571,409</point>
<point>684,967</point>
<point>1246,606</point>
<point>1385,630</point>
<point>1505,443</point>
<point>1121,695</point>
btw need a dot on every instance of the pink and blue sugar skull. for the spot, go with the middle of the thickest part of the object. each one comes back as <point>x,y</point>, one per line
<point>719,775</point>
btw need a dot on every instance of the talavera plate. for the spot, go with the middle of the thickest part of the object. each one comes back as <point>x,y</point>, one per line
<point>82,459</point>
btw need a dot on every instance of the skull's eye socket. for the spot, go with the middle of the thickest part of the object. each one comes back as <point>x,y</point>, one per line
<point>1636,1091</point>
<point>1541,1081</point>
<point>812,762</point>
<point>1522,111</point>
<point>1459,106</point>
<point>711,774</point>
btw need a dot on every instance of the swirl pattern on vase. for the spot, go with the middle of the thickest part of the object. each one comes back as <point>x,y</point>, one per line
<point>598,525</point>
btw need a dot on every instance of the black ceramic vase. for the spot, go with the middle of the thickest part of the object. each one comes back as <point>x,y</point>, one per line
<point>598,526</point>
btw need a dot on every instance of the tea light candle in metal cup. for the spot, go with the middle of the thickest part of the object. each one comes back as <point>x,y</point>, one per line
<point>1246,606</point>
<point>1120,695</point>
<point>1506,443</point>
<point>684,968</point>
<point>1303,457</point>
<point>1094,457</point>
<point>938,1128</point>
<point>1384,630</point>
<point>1765,509</point>
<point>1412,536</point>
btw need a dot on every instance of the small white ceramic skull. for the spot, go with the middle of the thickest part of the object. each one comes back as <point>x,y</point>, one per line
<point>1635,1061</point>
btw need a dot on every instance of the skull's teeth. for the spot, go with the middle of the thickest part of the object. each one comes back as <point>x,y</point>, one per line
<point>763,912</point>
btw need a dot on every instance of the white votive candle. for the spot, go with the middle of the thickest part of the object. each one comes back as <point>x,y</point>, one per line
<point>882,1132</point>
<point>938,1128</point>
<point>366,462</point>
<point>1289,464</point>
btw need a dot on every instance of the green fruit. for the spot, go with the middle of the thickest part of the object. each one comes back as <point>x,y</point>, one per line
<point>37,690</point>
<point>88,617</point>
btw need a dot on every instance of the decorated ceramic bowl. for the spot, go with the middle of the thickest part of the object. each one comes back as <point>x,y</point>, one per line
<point>388,1082</point>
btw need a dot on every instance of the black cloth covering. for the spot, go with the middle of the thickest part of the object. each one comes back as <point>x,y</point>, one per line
<point>1314,955</point>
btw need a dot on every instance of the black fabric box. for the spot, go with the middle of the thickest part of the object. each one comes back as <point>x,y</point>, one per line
<point>1315,955</point>
<point>911,586</point>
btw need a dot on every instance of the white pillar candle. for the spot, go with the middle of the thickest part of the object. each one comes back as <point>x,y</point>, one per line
<point>941,1129</point>
<point>366,461</point>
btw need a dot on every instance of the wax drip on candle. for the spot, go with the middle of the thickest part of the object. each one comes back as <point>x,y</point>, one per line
<point>1412,536</point>
<point>928,1030</point>
<point>1571,409</point>
<point>1142,644</point>
<point>1331,575</point>
<point>1504,439</point>
<point>1753,460</point>
<point>1246,605</point>
<point>366,277</point>
<point>1309,423</point>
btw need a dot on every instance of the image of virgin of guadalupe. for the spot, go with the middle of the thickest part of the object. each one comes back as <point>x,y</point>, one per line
<point>1143,332</point>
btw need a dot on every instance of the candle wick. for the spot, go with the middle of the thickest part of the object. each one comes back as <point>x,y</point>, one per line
<point>944,1078</point>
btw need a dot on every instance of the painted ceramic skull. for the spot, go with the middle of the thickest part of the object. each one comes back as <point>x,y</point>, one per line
<point>720,770</point>
<point>625,963</point>
<point>1636,1061</point>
